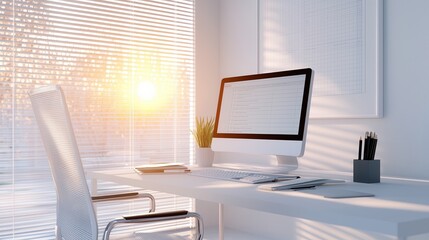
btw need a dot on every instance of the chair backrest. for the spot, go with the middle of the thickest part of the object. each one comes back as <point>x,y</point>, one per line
<point>76,217</point>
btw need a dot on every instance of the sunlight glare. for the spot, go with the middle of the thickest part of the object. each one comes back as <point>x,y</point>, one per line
<point>146,91</point>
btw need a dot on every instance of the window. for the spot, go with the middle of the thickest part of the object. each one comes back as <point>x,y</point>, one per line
<point>127,70</point>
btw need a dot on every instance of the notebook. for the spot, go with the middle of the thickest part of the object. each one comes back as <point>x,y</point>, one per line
<point>162,168</point>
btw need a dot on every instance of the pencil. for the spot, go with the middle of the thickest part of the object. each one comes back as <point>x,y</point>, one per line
<point>360,149</point>
<point>365,150</point>
<point>374,146</point>
<point>370,145</point>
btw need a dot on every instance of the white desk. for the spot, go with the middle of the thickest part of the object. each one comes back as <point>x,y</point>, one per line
<point>399,208</point>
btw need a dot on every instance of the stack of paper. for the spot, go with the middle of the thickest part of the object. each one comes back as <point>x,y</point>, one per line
<point>303,182</point>
<point>162,168</point>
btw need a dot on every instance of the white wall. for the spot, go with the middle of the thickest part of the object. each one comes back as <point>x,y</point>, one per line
<point>332,143</point>
<point>403,130</point>
<point>207,78</point>
<point>207,57</point>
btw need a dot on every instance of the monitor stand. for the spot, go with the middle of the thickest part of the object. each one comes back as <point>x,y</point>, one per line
<point>286,164</point>
<point>269,164</point>
<point>278,165</point>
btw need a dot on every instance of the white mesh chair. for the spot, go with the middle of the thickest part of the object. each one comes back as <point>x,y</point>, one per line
<point>76,218</point>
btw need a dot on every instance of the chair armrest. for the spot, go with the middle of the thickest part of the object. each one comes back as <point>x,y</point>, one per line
<point>156,215</point>
<point>153,217</point>
<point>123,196</point>
<point>116,196</point>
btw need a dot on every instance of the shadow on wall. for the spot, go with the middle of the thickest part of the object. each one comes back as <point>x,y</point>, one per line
<point>332,146</point>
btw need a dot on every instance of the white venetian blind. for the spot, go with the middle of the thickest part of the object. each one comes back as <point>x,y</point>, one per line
<point>127,70</point>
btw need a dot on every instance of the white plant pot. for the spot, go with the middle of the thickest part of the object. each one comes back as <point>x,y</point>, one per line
<point>204,157</point>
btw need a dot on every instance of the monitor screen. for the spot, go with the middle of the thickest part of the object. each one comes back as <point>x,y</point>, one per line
<point>264,113</point>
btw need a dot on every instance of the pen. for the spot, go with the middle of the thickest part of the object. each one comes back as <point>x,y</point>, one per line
<point>365,151</point>
<point>299,188</point>
<point>360,149</point>
<point>370,144</point>
<point>374,146</point>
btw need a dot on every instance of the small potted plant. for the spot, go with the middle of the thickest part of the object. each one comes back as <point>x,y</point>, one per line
<point>203,134</point>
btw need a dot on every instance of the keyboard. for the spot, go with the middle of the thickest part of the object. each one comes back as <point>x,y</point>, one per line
<point>239,176</point>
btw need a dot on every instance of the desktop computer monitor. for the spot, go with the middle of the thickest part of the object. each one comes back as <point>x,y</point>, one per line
<point>265,114</point>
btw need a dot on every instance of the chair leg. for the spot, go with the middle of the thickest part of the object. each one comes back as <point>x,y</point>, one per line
<point>57,233</point>
<point>152,200</point>
<point>110,227</point>
<point>199,224</point>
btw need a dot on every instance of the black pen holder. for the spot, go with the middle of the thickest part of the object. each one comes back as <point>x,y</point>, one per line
<point>366,171</point>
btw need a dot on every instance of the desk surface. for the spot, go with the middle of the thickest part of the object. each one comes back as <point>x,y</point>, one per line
<point>399,208</point>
